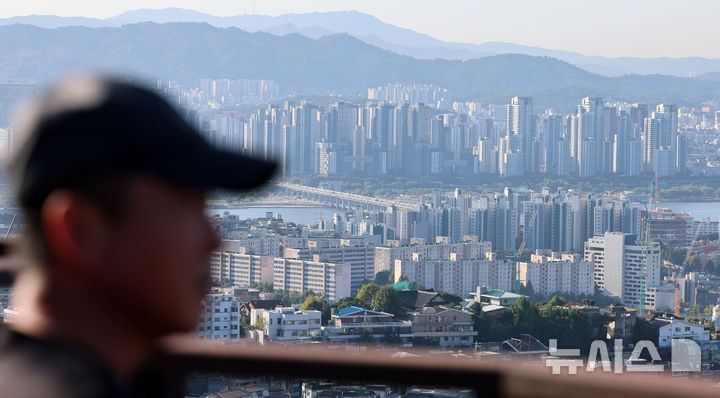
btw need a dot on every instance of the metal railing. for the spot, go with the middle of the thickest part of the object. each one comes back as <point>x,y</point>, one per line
<point>181,356</point>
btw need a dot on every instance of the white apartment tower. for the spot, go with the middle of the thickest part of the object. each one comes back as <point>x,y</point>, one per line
<point>624,267</point>
<point>520,129</point>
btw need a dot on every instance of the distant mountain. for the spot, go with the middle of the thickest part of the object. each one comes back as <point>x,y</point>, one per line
<point>400,40</point>
<point>332,64</point>
<point>713,76</point>
<point>288,28</point>
<point>53,21</point>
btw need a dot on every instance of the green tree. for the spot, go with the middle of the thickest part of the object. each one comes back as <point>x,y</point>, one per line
<point>367,292</point>
<point>263,287</point>
<point>694,263</point>
<point>311,303</point>
<point>709,267</point>
<point>383,278</point>
<point>525,316</point>
<point>348,302</point>
<point>388,300</point>
<point>644,331</point>
<point>223,283</point>
<point>709,326</point>
<point>260,323</point>
<point>481,322</point>
<point>696,309</point>
<point>244,324</point>
<point>557,301</point>
<point>527,289</point>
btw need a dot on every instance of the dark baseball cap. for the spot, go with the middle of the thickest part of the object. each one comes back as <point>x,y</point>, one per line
<point>88,128</point>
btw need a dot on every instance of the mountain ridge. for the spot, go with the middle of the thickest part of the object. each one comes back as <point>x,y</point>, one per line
<point>401,40</point>
<point>335,64</point>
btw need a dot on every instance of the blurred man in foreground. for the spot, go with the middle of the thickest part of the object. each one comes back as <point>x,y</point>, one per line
<point>112,183</point>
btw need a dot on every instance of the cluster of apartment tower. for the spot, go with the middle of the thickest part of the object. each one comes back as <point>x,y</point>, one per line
<point>396,133</point>
<point>616,263</point>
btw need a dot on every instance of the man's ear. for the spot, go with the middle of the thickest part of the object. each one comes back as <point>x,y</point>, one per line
<point>72,227</point>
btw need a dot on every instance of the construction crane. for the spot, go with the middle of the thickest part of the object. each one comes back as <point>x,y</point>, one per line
<point>691,248</point>
<point>646,247</point>
<point>680,273</point>
<point>515,281</point>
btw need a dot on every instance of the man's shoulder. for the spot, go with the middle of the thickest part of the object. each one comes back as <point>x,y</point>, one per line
<point>33,367</point>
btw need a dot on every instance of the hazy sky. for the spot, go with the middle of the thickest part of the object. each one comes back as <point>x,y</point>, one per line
<point>644,28</point>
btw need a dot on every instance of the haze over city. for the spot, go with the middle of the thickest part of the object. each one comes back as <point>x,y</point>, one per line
<point>443,183</point>
<point>612,28</point>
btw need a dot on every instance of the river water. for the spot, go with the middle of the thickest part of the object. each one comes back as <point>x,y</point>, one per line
<point>310,215</point>
<point>699,210</point>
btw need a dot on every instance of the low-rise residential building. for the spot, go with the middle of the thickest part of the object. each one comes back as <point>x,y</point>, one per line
<point>219,319</point>
<point>677,329</point>
<point>246,308</point>
<point>425,298</point>
<point>330,280</point>
<point>354,324</point>
<point>660,298</point>
<point>495,297</point>
<point>285,324</point>
<point>446,327</point>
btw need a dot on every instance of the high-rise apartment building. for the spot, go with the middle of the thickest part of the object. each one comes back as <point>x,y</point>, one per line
<point>330,280</point>
<point>520,134</point>
<point>361,259</point>
<point>557,273</point>
<point>385,256</point>
<point>240,269</point>
<point>11,93</point>
<point>624,267</point>
<point>456,276</point>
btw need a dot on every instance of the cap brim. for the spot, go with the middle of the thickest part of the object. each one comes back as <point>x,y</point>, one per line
<point>216,168</point>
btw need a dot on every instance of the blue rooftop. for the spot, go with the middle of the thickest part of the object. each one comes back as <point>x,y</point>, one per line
<point>349,310</point>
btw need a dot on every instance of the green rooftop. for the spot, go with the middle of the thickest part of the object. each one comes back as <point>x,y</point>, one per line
<point>501,294</point>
